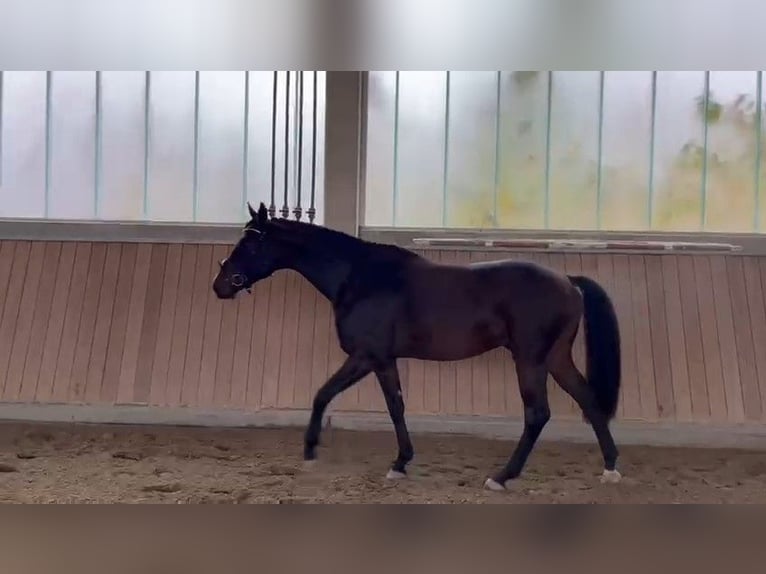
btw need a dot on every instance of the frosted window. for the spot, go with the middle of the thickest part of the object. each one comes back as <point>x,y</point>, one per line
<point>122,146</point>
<point>522,149</point>
<point>24,119</point>
<point>731,151</point>
<point>573,170</point>
<point>171,149</point>
<point>420,153</point>
<point>626,150</point>
<point>379,200</point>
<point>73,146</point>
<point>471,145</point>
<point>221,147</point>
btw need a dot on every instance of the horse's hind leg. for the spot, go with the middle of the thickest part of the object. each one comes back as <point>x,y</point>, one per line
<point>534,394</point>
<point>570,379</point>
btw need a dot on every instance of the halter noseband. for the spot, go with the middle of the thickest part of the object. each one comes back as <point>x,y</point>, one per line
<point>237,279</point>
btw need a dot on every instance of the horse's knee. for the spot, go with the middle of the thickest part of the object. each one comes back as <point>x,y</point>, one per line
<point>537,416</point>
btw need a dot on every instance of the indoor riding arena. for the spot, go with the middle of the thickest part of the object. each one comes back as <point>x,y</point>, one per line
<point>124,378</point>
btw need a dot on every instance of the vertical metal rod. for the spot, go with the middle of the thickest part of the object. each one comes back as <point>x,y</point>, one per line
<point>195,176</point>
<point>599,161</point>
<point>2,78</point>
<point>272,204</point>
<point>496,181</point>
<point>703,214</point>
<point>294,135</point>
<point>298,211</point>
<point>758,146</point>
<point>285,211</point>
<point>445,174</point>
<point>97,154</point>
<point>246,144</point>
<point>312,206</point>
<point>549,106</point>
<point>48,141</point>
<point>652,137</point>
<point>396,149</point>
<point>147,135</point>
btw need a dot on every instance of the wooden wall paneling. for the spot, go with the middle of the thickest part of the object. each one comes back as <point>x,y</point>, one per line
<point>710,343</point>
<point>726,339</point>
<point>161,363</point>
<point>743,338</point>
<point>755,297</point>
<point>240,361</point>
<point>102,324</point>
<point>658,330</point>
<point>86,331</point>
<point>55,326</point>
<point>109,323</point>
<point>42,317</point>
<point>119,324</point>
<point>26,311</point>
<point>74,304</point>
<point>695,350</point>
<point>203,333</point>
<point>181,325</point>
<point>257,362</point>
<point>10,310</point>
<point>227,344</point>
<point>133,328</point>
<point>7,249</point>
<point>676,339</point>
<point>150,327</point>
<point>272,357</point>
<point>206,342</point>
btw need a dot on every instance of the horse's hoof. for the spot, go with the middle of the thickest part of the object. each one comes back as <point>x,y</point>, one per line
<point>491,484</point>
<point>395,475</point>
<point>309,464</point>
<point>610,477</point>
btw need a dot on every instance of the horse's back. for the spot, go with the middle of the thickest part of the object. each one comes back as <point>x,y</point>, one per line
<point>454,311</point>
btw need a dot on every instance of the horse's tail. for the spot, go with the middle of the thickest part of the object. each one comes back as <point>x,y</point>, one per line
<point>602,344</point>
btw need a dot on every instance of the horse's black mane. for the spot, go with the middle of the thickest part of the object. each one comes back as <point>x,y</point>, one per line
<point>341,244</point>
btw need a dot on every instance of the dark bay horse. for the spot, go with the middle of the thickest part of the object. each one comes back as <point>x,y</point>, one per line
<point>390,303</point>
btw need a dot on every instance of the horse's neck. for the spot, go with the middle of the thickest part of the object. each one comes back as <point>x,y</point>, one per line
<point>326,274</point>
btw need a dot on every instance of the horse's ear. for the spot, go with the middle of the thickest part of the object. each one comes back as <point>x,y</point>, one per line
<point>253,214</point>
<point>262,217</point>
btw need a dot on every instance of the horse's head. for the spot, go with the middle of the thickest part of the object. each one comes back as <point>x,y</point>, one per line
<point>255,256</point>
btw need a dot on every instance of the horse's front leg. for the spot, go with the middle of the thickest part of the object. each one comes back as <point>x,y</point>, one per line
<point>388,378</point>
<point>351,372</point>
